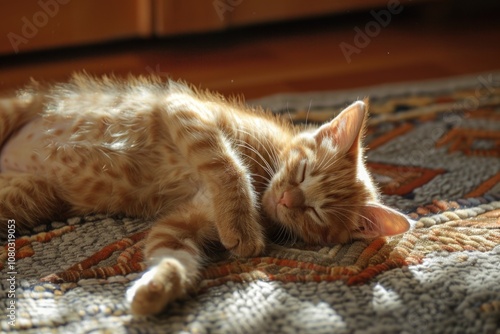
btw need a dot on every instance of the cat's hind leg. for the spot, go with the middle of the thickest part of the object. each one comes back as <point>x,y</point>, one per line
<point>174,253</point>
<point>28,200</point>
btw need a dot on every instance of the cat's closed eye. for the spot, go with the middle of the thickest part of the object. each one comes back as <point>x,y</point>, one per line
<point>302,171</point>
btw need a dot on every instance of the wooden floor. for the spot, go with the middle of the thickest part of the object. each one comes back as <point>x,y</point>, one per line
<point>301,56</point>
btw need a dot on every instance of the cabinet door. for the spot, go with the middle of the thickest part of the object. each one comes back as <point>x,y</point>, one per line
<point>248,12</point>
<point>40,24</point>
<point>184,16</point>
<point>188,16</point>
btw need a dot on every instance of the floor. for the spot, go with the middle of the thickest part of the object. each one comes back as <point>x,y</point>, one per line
<point>322,54</point>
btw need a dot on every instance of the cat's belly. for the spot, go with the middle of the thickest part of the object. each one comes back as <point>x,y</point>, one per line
<point>26,151</point>
<point>90,179</point>
<point>21,153</point>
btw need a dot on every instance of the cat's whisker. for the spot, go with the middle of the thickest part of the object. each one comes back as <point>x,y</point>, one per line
<point>266,168</point>
<point>261,183</point>
<point>366,219</point>
<point>280,236</point>
<point>269,169</point>
<point>272,155</point>
<point>275,160</point>
<point>286,236</point>
<point>290,236</point>
<point>265,179</point>
<point>325,163</point>
<point>346,211</point>
<point>357,213</point>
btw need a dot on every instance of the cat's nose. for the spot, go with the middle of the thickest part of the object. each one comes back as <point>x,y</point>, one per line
<point>286,199</point>
<point>292,198</point>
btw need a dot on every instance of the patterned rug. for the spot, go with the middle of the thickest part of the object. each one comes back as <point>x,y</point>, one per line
<point>434,149</point>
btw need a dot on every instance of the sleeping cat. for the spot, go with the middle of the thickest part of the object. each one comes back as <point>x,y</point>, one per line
<point>205,169</point>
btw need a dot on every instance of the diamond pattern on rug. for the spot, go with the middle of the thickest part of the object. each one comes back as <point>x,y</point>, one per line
<point>485,187</point>
<point>400,180</point>
<point>472,142</point>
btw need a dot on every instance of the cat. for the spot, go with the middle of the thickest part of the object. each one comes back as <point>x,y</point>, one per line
<point>206,169</point>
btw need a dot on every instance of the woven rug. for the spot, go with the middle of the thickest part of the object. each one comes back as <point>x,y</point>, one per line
<point>434,149</point>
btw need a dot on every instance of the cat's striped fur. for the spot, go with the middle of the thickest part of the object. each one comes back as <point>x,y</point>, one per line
<point>206,169</point>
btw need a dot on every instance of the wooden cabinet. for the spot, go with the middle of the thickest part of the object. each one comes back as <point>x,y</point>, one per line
<point>188,16</point>
<point>41,24</point>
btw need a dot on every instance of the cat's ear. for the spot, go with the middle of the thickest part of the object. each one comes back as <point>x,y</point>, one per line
<point>346,129</point>
<point>379,220</point>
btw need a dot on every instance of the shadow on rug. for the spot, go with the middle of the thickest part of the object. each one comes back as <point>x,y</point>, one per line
<point>434,151</point>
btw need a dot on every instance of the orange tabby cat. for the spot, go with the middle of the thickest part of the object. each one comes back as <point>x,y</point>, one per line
<point>205,169</point>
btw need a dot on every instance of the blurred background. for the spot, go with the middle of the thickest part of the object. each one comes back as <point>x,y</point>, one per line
<point>250,47</point>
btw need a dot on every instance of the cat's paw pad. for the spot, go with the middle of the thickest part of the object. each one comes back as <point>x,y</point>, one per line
<point>155,289</point>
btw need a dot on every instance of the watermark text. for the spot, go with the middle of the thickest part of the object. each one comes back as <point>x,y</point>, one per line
<point>30,26</point>
<point>372,29</point>
<point>11,273</point>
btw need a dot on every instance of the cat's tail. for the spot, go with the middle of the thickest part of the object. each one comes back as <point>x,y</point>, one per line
<point>17,110</point>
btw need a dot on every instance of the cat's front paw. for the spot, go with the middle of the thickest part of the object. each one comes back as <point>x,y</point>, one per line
<point>158,287</point>
<point>245,242</point>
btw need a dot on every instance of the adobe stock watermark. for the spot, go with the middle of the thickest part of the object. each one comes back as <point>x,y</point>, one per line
<point>382,18</point>
<point>223,6</point>
<point>486,87</point>
<point>11,273</point>
<point>30,26</point>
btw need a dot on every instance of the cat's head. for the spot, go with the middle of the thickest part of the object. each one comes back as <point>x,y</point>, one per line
<point>322,191</point>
